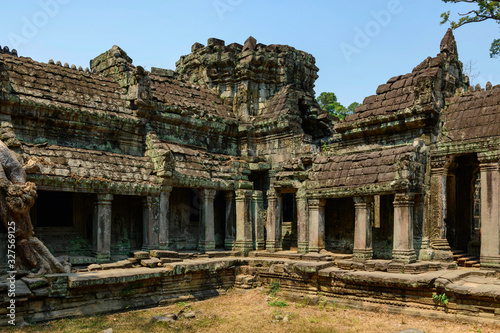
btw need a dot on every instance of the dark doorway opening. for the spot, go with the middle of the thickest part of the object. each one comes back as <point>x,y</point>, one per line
<point>339,225</point>
<point>289,223</point>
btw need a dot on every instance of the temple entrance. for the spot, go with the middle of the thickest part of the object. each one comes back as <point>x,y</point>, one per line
<point>464,205</point>
<point>383,226</point>
<point>339,225</point>
<point>63,221</point>
<point>220,220</point>
<point>289,223</point>
<point>185,206</point>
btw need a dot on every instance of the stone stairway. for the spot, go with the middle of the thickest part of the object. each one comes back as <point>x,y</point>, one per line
<point>465,260</point>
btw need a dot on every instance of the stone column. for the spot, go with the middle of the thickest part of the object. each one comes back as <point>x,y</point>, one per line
<point>363,228</point>
<point>102,227</point>
<point>274,211</point>
<point>490,211</point>
<point>421,242</point>
<point>164,218</point>
<point>316,224</point>
<point>207,227</point>
<point>150,224</point>
<point>244,241</point>
<point>258,220</point>
<point>403,228</point>
<point>230,221</point>
<point>302,222</point>
<point>438,241</point>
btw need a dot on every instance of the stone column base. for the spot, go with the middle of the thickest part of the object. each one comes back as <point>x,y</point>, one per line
<point>163,246</point>
<point>229,245</point>
<point>442,251</point>
<point>260,245</point>
<point>102,257</point>
<point>206,246</point>
<point>243,246</point>
<point>362,254</point>
<point>302,247</point>
<point>314,248</point>
<point>406,256</point>
<point>272,246</point>
<point>490,261</point>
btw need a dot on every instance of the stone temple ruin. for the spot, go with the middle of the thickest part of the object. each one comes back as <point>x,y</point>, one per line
<point>232,152</point>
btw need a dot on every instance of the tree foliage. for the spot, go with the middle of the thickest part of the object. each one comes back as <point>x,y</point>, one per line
<point>487,10</point>
<point>328,101</point>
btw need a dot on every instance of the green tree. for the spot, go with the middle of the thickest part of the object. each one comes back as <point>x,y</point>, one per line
<point>351,108</point>
<point>328,101</point>
<point>487,10</point>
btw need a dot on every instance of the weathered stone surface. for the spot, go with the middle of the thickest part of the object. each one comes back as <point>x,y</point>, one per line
<point>35,283</point>
<point>153,262</point>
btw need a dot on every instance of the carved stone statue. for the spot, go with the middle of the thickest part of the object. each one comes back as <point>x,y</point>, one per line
<point>16,198</point>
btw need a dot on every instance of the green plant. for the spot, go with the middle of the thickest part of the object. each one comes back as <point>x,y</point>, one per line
<point>440,298</point>
<point>324,147</point>
<point>183,304</point>
<point>274,288</point>
<point>278,303</point>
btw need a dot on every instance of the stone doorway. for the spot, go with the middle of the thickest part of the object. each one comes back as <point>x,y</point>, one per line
<point>289,222</point>
<point>383,227</point>
<point>185,208</point>
<point>339,225</point>
<point>463,202</point>
<point>63,221</point>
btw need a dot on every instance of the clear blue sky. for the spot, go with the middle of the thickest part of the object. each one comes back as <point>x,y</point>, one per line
<point>357,44</point>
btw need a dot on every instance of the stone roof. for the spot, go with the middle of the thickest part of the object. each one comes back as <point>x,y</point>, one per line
<point>188,97</point>
<point>472,115</point>
<point>194,167</point>
<point>391,168</point>
<point>83,169</point>
<point>407,98</point>
<point>62,87</point>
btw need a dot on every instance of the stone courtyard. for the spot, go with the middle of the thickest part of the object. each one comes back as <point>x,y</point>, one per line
<point>163,185</point>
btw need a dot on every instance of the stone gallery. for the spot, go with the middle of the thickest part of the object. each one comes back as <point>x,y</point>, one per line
<point>230,154</point>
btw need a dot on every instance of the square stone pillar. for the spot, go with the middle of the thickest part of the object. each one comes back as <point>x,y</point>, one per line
<point>403,228</point>
<point>363,228</point>
<point>230,221</point>
<point>150,225</point>
<point>302,222</point>
<point>164,218</point>
<point>102,227</point>
<point>207,227</point>
<point>316,224</point>
<point>438,206</point>
<point>490,214</point>
<point>258,220</point>
<point>244,241</point>
<point>273,225</point>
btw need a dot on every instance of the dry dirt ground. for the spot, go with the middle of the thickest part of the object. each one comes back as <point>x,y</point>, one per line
<point>255,311</point>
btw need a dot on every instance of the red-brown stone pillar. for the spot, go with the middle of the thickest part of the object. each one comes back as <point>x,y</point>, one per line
<point>316,224</point>
<point>438,241</point>
<point>244,241</point>
<point>150,224</point>
<point>207,234</point>
<point>230,220</point>
<point>362,228</point>
<point>302,222</point>
<point>164,218</point>
<point>403,228</point>
<point>258,220</point>
<point>102,227</point>
<point>274,211</point>
<point>490,211</point>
